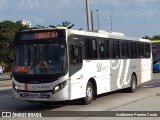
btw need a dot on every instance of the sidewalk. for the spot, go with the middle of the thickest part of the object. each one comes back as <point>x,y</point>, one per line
<point>6,76</point>
<point>5,82</point>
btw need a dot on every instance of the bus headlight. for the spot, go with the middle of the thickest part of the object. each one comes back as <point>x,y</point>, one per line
<point>56,88</point>
<point>59,86</point>
<point>15,87</point>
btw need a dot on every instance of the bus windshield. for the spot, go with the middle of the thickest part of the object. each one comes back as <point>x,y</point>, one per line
<point>40,58</point>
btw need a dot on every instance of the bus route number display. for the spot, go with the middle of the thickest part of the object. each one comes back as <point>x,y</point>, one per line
<point>40,35</point>
<point>46,35</point>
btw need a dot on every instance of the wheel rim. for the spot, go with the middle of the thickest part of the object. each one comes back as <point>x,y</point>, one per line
<point>133,83</point>
<point>89,93</point>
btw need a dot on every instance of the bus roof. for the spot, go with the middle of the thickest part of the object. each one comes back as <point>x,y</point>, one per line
<point>104,34</point>
<point>96,33</point>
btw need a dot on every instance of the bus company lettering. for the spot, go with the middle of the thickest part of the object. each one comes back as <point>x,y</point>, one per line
<point>45,35</point>
<point>133,67</point>
<point>100,67</point>
<point>22,68</point>
<point>118,66</point>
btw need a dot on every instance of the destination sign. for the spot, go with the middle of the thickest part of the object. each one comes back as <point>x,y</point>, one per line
<point>45,35</point>
<point>22,68</point>
<point>40,35</point>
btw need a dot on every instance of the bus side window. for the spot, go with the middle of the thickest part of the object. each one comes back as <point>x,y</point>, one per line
<point>75,54</point>
<point>91,49</point>
<point>133,50</point>
<point>124,50</point>
<point>147,51</point>
<point>114,48</point>
<point>104,49</point>
<point>140,50</point>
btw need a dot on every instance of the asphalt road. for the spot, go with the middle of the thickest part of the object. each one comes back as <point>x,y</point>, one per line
<point>146,98</point>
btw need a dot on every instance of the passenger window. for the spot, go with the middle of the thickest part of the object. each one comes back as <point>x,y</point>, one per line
<point>124,50</point>
<point>133,50</point>
<point>147,50</point>
<point>103,49</point>
<point>90,49</point>
<point>114,48</point>
<point>75,54</point>
<point>140,50</point>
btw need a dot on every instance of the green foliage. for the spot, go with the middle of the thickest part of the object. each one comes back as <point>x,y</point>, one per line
<point>156,37</point>
<point>8,30</point>
<point>64,24</point>
<point>38,27</point>
<point>146,37</point>
<point>7,33</point>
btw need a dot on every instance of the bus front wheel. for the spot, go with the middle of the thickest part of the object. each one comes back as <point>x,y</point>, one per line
<point>89,94</point>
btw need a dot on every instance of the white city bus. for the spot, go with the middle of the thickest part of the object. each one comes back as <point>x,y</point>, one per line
<point>64,64</point>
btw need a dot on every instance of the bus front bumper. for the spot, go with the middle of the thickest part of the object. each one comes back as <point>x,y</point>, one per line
<point>38,96</point>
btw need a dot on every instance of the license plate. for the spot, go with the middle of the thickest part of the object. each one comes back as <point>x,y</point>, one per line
<point>35,95</point>
<point>31,95</point>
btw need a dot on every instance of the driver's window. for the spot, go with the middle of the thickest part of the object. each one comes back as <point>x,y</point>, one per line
<point>75,54</point>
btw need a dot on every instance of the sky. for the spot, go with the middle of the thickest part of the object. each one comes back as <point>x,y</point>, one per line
<point>134,18</point>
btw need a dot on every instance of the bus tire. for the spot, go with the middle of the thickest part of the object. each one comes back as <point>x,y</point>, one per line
<point>133,84</point>
<point>89,94</point>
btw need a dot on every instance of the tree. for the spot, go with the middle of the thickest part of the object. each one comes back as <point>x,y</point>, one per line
<point>7,33</point>
<point>156,37</point>
<point>64,24</point>
<point>146,37</point>
<point>38,27</point>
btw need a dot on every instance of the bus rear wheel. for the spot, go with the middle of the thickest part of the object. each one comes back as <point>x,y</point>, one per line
<point>89,94</point>
<point>133,84</point>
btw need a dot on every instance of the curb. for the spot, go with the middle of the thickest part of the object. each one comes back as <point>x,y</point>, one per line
<point>5,79</point>
<point>6,88</point>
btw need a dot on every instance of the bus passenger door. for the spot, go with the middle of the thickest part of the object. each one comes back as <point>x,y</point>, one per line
<point>75,61</point>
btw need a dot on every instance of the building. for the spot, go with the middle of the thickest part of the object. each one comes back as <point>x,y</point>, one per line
<point>24,22</point>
